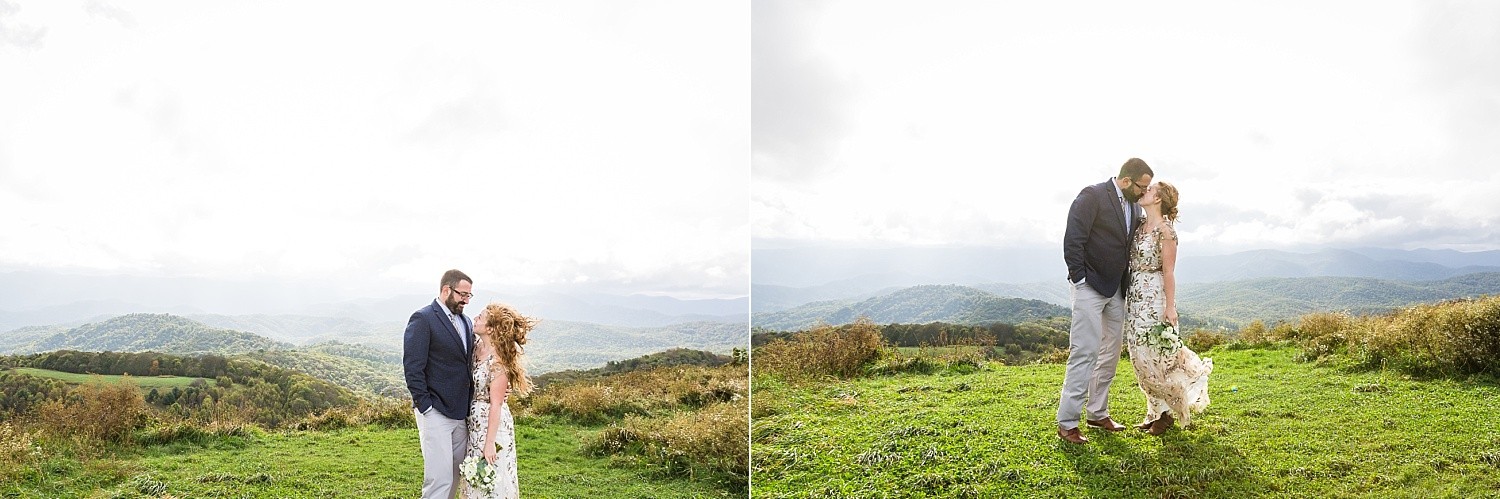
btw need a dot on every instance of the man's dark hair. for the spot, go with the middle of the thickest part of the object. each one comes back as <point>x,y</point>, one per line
<point>1134,168</point>
<point>451,278</point>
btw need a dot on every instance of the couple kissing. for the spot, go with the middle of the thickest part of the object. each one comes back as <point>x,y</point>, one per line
<point>1121,250</point>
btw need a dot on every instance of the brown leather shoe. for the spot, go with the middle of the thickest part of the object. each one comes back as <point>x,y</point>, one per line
<point>1105,424</point>
<point>1073,436</point>
<point>1160,426</point>
<point>1145,426</point>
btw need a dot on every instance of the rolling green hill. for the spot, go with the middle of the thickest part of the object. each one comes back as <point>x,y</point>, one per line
<point>668,358</point>
<point>360,368</point>
<point>915,305</point>
<point>19,340</point>
<point>372,368</point>
<point>145,382</point>
<point>143,332</point>
<point>1277,299</point>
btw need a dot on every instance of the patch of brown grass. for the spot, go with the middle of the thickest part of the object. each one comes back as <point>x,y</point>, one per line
<point>95,412</point>
<point>638,393</point>
<point>712,440</point>
<point>840,352</point>
<point>1456,337</point>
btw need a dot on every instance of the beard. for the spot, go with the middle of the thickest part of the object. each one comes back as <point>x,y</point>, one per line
<point>1131,196</point>
<point>453,304</point>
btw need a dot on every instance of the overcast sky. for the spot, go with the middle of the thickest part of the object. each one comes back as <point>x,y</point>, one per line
<point>601,145</point>
<point>1284,124</point>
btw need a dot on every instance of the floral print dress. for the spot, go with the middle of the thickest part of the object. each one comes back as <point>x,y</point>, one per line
<point>479,418</point>
<point>1175,382</point>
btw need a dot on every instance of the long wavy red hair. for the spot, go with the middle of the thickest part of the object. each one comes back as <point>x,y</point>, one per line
<point>506,329</point>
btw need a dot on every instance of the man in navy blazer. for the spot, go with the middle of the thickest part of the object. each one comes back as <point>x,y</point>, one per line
<point>436,356</point>
<point>1096,247</point>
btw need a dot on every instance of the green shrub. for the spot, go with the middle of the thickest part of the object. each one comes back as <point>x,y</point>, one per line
<point>168,432</point>
<point>1054,356</point>
<point>639,393</point>
<point>18,449</point>
<point>1202,340</point>
<point>390,413</point>
<point>95,412</point>
<point>712,441</point>
<point>332,419</point>
<point>824,351</point>
<point>1319,325</point>
<point>896,362</point>
<point>1460,337</point>
<point>1255,332</point>
<point>587,404</point>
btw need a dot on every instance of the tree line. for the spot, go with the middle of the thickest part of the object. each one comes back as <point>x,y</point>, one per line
<point>1012,343</point>
<point>242,389</point>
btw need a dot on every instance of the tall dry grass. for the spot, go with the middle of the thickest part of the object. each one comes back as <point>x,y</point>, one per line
<point>638,393</point>
<point>1457,337</point>
<point>712,441</point>
<point>1451,338</point>
<point>18,449</point>
<point>95,412</point>
<point>682,420</point>
<point>841,352</point>
<point>386,412</point>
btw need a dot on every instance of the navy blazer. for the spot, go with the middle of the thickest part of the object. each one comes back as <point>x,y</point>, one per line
<point>436,362</point>
<point>1096,246</point>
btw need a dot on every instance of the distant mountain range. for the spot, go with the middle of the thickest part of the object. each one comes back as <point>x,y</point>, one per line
<point>32,298</point>
<point>143,332</point>
<point>359,355</point>
<point>555,344</point>
<point>1277,299</point>
<point>1220,304</point>
<point>787,278</point>
<point>919,304</point>
<point>1375,263</point>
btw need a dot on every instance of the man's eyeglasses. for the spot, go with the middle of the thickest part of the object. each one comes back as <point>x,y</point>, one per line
<point>1139,186</point>
<point>464,294</point>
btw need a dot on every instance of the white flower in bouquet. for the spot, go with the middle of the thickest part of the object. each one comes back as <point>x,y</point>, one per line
<point>1164,337</point>
<point>478,473</point>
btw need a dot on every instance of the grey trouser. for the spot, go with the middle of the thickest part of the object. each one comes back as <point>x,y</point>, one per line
<point>1094,342</point>
<point>444,443</point>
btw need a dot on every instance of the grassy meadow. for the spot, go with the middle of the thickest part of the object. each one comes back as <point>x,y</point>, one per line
<point>1322,408</point>
<point>663,432</point>
<point>144,382</point>
<point>1275,427</point>
<point>368,461</point>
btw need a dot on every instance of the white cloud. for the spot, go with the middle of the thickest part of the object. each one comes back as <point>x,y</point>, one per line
<point>977,122</point>
<point>18,34</point>
<point>540,144</point>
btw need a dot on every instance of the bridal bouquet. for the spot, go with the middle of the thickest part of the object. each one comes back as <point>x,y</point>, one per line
<point>1163,337</point>
<point>478,472</point>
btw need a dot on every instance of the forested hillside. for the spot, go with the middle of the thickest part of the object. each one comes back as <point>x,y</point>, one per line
<point>357,367</point>
<point>253,390</point>
<point>669,358</point>
<point>136,333</point>
<point>368,363</point>
<point>1277,299</point>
